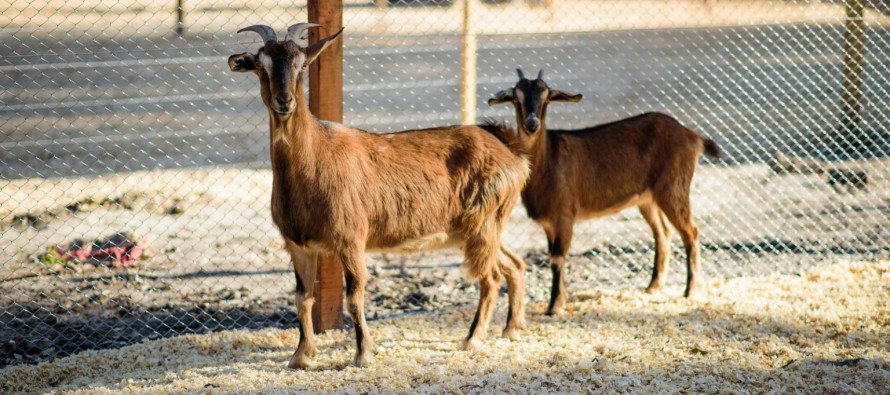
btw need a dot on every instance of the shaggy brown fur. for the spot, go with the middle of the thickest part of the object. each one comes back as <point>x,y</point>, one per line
<point>646,161</point>
<point>344,191</point>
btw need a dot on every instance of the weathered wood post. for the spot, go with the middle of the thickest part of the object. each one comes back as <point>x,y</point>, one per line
<point>468,67</point>
<point>851,97</point>
<point>326,102</point>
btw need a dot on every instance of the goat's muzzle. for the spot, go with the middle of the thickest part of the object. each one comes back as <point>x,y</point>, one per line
<point>284,105</point>
<point>532,123</point>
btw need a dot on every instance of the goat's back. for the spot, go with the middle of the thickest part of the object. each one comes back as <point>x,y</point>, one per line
<point>416,183</point>
<point>609,166</point>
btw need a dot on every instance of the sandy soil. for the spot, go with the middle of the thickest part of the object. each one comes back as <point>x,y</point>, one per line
<point>216,263</point>
<point>822,331</point>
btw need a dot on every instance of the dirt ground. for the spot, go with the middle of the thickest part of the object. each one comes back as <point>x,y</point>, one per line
<point>823,330</point>
<point>215,261</point>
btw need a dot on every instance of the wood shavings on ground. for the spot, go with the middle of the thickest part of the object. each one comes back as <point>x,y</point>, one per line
<point>825,331</point>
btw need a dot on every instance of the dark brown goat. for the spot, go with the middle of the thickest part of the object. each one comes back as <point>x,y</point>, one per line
<point>344,191</point>
<point>645,161</point>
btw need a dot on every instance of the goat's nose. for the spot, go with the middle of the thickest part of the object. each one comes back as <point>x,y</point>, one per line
<point>284,101</point>
<point>532,123</point>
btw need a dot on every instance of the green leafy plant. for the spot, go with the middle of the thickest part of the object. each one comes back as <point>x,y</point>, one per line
<point>52,256</point>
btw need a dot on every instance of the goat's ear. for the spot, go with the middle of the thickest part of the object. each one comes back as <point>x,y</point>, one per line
<point>242,63</point>
<point>556,95</point>
<point>317,47</point>
<point>501,97</point>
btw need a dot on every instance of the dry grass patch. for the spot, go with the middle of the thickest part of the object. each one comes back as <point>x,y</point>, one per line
<point>824,331</point>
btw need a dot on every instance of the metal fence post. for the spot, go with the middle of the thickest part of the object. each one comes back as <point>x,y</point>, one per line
<point>326,102</point>
<point>180,17</point>
<point>851,97</point>
<point>468,67</point>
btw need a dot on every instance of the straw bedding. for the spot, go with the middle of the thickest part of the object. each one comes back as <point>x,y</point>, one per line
<point>822,331</point>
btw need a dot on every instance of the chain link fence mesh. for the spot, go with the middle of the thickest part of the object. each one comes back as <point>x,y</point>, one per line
<point>124,131</point>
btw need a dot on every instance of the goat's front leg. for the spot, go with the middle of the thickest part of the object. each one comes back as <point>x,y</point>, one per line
<point>558,242</point>
<point>305,270</point>
<point>356,277</point>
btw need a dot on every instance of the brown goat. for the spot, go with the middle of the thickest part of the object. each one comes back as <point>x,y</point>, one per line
<point>646,161</point>
<point>345,191</point>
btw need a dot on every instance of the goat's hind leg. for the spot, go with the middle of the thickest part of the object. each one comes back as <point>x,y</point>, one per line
<point>488,292</point>
<point>679,212</point>
<point>657,221</point>
<point>513,269</point>
<point>356,277</point>
<point>305,271</point>
<point>481,254</point>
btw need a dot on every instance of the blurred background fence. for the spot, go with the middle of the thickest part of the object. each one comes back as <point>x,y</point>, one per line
<point>123,130</point>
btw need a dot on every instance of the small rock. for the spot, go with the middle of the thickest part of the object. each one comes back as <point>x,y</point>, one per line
<point>847,180</point>
<point>40,222</point>
<point>847,362</point>
<point>176,209</point>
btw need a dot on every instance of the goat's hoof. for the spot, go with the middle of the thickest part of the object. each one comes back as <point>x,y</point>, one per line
<point>299,361</point>
<point>363,360</point>
<point>472,344</point>
<point>653,288</point>
<point>691,291</point>
<point>520,323</point>
<point>556,312</point>
<point>301,357</point>
<point>512,333</point>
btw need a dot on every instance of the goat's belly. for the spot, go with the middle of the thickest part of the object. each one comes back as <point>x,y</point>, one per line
<point>430,242</point>
<point>630,201</point>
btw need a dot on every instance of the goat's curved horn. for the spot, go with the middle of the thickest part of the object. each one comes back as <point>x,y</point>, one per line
<point>266,32</point>
<point>293,32</point>
<point>521,76</point>
<point>541,74</point>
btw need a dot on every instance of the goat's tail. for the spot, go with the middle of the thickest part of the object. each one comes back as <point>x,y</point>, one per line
<point>711,148</point>
<point>505,134</point>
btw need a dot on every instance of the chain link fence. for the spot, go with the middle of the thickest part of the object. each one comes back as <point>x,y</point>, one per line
<point>135,184</point>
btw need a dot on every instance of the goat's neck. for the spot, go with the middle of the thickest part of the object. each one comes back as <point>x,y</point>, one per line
<point>539,151</point>
<point>293,145</point>
<point>294,140</point>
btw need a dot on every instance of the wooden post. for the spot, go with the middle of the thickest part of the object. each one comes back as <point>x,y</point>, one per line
<point>327,311</point>
<point>326,102</point>
<point>180,17</point>
<point>468,67</point>
<point>851,97</point>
